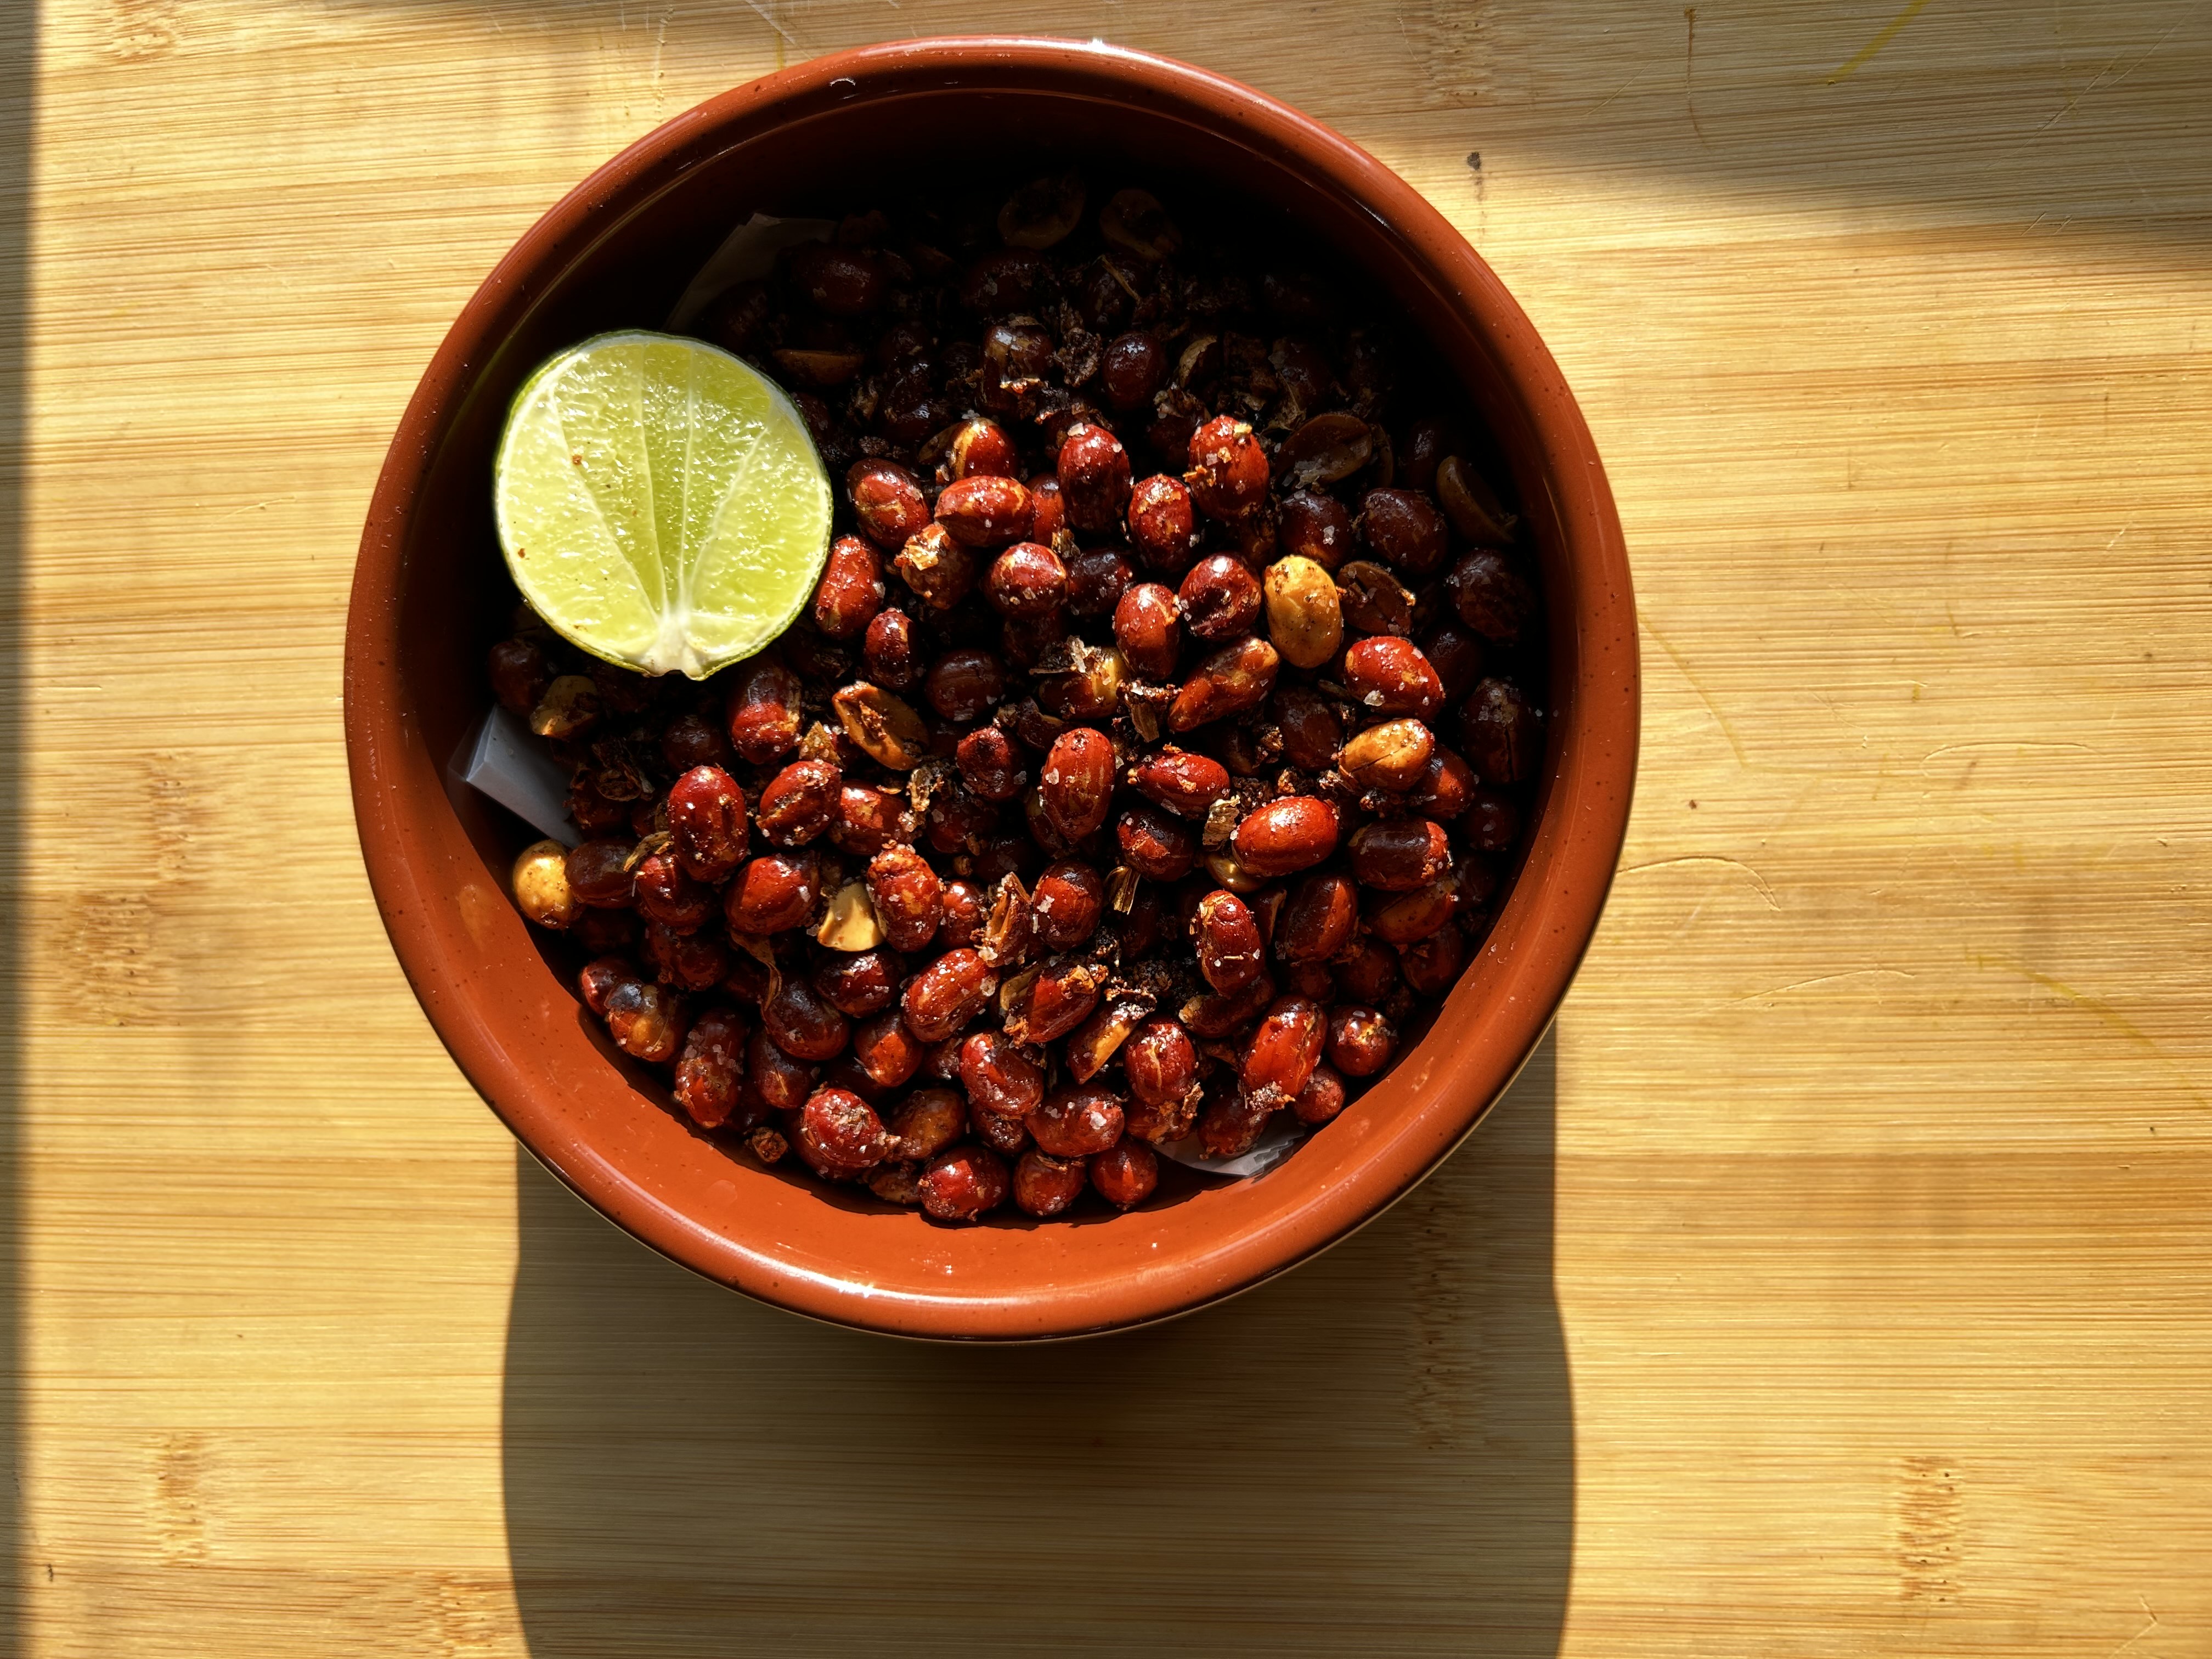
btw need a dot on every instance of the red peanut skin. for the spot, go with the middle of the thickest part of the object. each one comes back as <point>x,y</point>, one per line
<point>1045,1185</point>
<point>1230,953</point>
<point>947,994</point>
<point>964,1182</point>
<point>1077,1122</point>
<point>852,589</point>
<point>1237,677</point>
<point>1185,783</point>
<point>706,822</point>
<point>1286,835</point>
<point>1126,1173</point>
<point>1077,782</point>
<point>1285,1050</point>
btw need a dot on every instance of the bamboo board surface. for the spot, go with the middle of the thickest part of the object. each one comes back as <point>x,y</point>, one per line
<point>1838,1280</point>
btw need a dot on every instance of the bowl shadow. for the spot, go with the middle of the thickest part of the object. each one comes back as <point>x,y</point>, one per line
<point>1374,1454</point>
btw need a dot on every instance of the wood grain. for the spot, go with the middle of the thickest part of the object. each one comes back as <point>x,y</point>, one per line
<point>1837,1284</point>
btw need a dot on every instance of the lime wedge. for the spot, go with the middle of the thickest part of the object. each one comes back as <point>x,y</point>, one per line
<point>659,502</point>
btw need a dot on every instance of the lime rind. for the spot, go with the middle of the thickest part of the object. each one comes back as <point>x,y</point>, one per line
<point>659,502</point>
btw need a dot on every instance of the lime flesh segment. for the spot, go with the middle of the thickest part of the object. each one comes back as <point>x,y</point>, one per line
<point>660,503</point>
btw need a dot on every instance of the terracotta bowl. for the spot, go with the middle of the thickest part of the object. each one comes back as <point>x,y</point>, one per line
<point>429,597</point>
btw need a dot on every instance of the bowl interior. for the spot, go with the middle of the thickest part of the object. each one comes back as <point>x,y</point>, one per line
<point>616,253</point>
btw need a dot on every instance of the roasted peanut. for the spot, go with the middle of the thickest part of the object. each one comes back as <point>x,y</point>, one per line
<point>1069,900</point>
<point>1402,918</point>
<point>1283,1052</point>
<point>1094,478</point>
<point>646,1021</point>
<point>710,1072</point>
<point>1491,597</point>
<point>802,1024</point>
<point>1214,1016</point>
<point>598,982</point>
<point>1162,524</point>
<point>570,708</point>
<point>1374,601</point>
<point>1391,676</point>
<point>978,448</point>
<point>1000,1080</point>
<point>859,985</point>
<point>1185,783</point>
<point>985,512</point>
<point>1470,503</point>
<point>1327,449</point>
<point>1077,782</point>
<point>665,894</point>
<point>1219,599</point>
<point>887,1051</point>
<point>840,1132</point>
<point>963,684</point>
<point>882,726</point>
<point>1286,835</point>
<point>1076,1122</point>
<point>1157,846</point>
<point>1393,756</point>
<point>1126,1173</point>
<point>1053,999</point>
<point>1431,964</point>
<point>1399,854</point>
<point>1305,620</point>
<point>1027,580</point>
<point>1094,1043</point>
<point>938,568</point>
<point>869,819</point>
<point>1237,678</point>
<point>1404,529</point>
<point>887,502</point>
<point>781,1082</point>
<point>764,711</point>
<point>928,1121</point>
<point>1498,729</point>
<point>1457,654</point>
<point>1148,626</point>
<point>1230,953</point>
<point>962,1184</point>
<point>1319,920</point>
<point>1044,1185</point>
<point>907,896</point>
<point>1229,470</point>
<point>520,675</point>
<point>990,764</point>
<point>889,653</point>
<point>599,874</point>
<point>1231,1123</point>
<point>1361,1042</point>
<point>1322,1098</point>
<point>706,822</point>
<point>943,997</point>
<point>768,894</point>
<point>540,882</point>
<point>851,590</point>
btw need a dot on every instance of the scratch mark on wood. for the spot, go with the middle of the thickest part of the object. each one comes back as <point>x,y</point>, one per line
<point>1689,69</point>
<point>1704,696</point>
<point>1765,891</point>
<point>2144,1632</point>
<point>1826,979</point>
<point>2098,1007</point>
<point>1889,31</point>
<point>2000,744</point>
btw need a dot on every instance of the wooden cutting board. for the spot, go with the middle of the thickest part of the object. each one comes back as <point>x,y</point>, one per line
<point>1839,1282</point>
